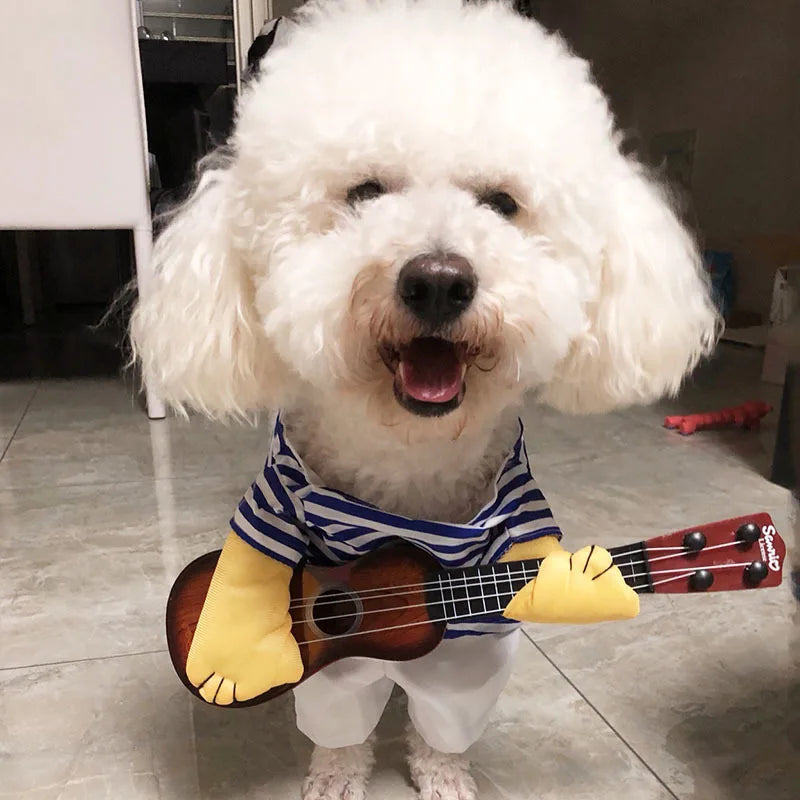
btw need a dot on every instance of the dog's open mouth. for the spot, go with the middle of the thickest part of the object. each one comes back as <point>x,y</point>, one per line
<point>428,374</point>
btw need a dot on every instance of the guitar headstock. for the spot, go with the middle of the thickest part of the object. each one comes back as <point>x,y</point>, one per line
<point>739,553</point>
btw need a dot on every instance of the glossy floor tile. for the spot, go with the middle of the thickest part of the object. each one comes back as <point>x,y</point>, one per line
<point>99,509</point>
<point>93,431</point>
<point>125,729</point>
<point>86,569</point>
<point>704,696</point>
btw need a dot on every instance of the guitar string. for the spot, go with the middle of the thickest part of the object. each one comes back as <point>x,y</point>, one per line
<point>476,580</point>
<point>442,602</point>
<point>379,591</point>
<point>684,551</point>
<point>388,591</point>
<point>381,630</point>
<point>455,618</point>
<point>455,582</point>
<point>673,578</point>
<point>680,549</point>
<point>683,574</point>
<point>412,588</point>
<point>696,552</point>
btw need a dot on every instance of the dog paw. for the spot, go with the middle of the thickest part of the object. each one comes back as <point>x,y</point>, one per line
<point>340,774</point>
<point>334,787</point>
<point>439,776</point>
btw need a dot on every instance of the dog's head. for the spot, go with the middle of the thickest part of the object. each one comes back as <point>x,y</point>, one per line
<point>423,213</point>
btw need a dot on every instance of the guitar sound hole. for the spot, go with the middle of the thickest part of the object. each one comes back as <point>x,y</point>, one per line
<point>336,612</point>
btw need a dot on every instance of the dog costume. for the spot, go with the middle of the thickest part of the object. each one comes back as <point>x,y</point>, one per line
<point>287,517</point>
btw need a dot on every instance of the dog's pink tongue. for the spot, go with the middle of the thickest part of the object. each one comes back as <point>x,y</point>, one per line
<point>430,370</point>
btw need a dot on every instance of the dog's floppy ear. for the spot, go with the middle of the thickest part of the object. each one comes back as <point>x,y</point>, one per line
<point>195,329</point>
<point>652,319</point>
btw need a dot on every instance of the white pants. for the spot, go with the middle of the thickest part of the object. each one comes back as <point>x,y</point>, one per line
<point>451,693</point>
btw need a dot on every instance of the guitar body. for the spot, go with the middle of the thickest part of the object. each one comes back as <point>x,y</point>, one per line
<point>394,604</point>
<point>339,612</point>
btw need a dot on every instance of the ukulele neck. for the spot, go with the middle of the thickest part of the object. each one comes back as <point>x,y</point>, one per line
<point>487,590</point>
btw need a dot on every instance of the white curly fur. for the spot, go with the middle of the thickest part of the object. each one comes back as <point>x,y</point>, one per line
<point>340,774</point>
<point>271,291</point>
<point>438,776</point>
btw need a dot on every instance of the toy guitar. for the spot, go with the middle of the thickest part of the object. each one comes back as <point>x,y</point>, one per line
<point>395,603</point>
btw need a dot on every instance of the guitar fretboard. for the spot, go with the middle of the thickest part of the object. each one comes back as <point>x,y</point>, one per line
<point>485,591</point>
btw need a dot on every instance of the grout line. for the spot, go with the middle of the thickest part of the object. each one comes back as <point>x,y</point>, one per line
<point>149,480</point>
<point>602,717</point>
<point>19,423</point>
<point>82,660</point>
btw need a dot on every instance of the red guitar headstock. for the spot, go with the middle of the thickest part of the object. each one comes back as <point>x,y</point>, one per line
<point>739,553</point>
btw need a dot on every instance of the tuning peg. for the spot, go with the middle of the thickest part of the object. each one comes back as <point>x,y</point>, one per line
<point>755,573</point>
<point>694,541</point>
<point>701,580</point>
<point>749,532</point>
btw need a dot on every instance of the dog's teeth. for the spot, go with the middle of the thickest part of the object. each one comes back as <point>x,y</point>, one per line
<point>401,370</point>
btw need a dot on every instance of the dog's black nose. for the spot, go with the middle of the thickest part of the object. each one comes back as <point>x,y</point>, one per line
<point>437,287</point>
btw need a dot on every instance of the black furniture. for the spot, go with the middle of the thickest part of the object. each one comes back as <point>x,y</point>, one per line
<point>786,456</point>
<point>189,91</point>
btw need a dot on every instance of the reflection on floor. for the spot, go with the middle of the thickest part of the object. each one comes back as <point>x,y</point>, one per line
<point>71,342</point>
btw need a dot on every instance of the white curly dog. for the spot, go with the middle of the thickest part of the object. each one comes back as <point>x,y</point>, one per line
<point>422,217</point>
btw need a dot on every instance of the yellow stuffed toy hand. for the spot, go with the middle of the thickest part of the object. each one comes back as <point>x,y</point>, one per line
<point>243,645</point>
<point>575,588</point>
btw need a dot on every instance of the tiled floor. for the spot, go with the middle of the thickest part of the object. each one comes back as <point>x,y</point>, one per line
<point>99,510</point>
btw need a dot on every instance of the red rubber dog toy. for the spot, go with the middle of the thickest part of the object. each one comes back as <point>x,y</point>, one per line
<point>747,415</point>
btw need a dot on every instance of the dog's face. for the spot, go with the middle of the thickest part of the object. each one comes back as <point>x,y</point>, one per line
<point>428,291</point>
<point>424,215</point>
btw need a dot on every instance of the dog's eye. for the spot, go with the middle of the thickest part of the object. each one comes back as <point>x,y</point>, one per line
<point>501,203</point>
<point>369,190</point>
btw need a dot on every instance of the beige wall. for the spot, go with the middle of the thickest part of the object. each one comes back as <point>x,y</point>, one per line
<point>729,69</point>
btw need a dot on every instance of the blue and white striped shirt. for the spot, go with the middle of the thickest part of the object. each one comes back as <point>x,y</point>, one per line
<point>289,518</point>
